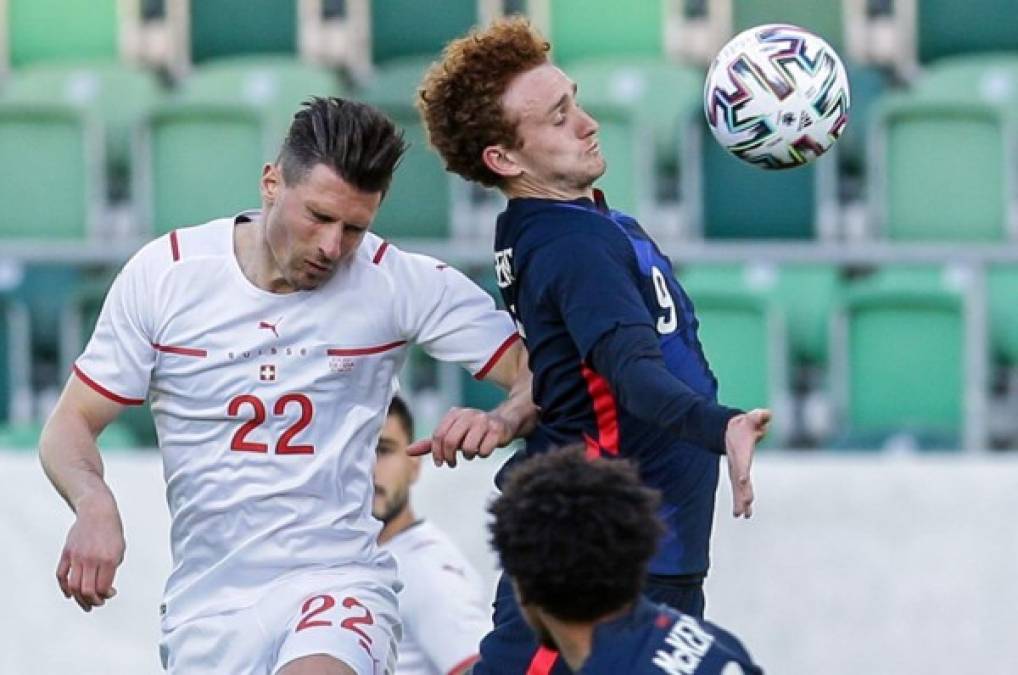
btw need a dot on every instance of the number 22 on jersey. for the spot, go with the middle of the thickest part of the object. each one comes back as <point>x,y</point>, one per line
<point>284,444</point>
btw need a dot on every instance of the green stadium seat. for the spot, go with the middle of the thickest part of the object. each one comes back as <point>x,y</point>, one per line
<point>420,201</point>
<point>808,293</point>
<point>222,28</point>
<point>395,84</point>
<point>732,200</point>
<point>581,29</point>
<point>43,291</point>
<point>991,77</point>
<point>805,293</point>
<point>946,27</point>
<point>15,361</point>
<point>53,189</point>
<point>823,17</point>
<point>61,30</point>
<point>273,85</point>
<point>116,95</point>
<point>134,426</point>
<point>406,28</point>
<point>628,147</point>
<point>742,334</point>
<point>1002,293</point>
<point>424,197</point>
<point>940,170</point>
<point>868,86</point>
<point>901,347</point>
<point>660,96</point>
<point>202,161</point>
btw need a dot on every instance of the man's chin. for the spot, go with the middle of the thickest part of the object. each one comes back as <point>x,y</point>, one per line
<point>309,284</point>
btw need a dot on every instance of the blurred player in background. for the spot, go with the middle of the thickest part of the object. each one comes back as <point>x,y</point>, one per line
<point>268,345</point>
<point>443,604</point>
<point>575,537</point>
<point>612,336</point>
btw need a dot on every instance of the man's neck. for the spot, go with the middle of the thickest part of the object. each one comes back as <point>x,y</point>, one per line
<point>525,187</point>
<point>575,639</point>
<point>255,259</point>
<point>397,524</point>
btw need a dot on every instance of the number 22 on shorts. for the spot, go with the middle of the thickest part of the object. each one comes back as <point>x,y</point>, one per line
<point>359,615</point>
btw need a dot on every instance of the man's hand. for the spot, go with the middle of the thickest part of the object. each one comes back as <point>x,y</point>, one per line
<point>741,436</point>
<point>93,551</point>
<point>473,432</point>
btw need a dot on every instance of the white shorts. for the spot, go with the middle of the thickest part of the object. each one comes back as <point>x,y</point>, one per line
<point>354,621</point>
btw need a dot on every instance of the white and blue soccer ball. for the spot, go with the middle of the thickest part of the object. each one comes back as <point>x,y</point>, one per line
<point>777,96</point>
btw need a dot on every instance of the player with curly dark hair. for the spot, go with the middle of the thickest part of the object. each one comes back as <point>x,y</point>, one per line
<point>612,336</point>
<point>575,537</point>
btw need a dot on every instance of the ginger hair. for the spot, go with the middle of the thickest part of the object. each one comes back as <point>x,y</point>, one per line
<point>460,98</point>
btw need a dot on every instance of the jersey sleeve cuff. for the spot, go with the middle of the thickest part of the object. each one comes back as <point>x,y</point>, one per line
<point>716,424</point>
<point>483,372</point>
<point>116,398</point>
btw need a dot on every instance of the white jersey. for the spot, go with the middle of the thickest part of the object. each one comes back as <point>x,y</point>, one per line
<point>268,406</point>
<point>442,604</point>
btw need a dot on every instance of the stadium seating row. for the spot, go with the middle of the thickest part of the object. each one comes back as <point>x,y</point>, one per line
<point>861,357</point>
<point>106,137</point>
<point>175,34</point>
<point>855,344</point>
<point>109,150</point>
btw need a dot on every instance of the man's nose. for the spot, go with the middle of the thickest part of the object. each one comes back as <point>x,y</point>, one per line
<point>331,244</point>
<point>588,125</point>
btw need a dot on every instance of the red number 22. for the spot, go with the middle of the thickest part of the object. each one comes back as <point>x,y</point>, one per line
<point>283,445</point>
<point>318,604</point>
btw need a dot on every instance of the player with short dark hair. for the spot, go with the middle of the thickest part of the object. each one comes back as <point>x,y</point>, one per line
<point>612,336</point>
<point>575,536</point>
<point>268,344</point>
<point>443,604</point>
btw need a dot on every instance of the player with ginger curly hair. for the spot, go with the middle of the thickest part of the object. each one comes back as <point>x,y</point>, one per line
<point>612,337</point>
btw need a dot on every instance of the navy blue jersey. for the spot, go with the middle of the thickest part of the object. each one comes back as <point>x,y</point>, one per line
<point>571,272</point>
<point>657,640</point>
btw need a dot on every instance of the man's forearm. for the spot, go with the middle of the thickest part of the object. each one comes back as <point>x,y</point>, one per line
<point>518,410</point>
<point>630,359</point>
<point>71,460</point>
<point>512,373</point>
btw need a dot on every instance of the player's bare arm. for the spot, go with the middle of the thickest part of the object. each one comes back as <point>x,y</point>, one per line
<point>67,449</point>
<point>475,432</point>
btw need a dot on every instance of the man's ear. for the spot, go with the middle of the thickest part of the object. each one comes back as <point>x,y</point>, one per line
<point>270,182</point>
<point>501,162</point>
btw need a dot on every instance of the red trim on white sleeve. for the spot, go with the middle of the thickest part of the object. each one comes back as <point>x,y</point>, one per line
<point>380,252</point>
<point>174,246</point>
<point>183,351</point>
<point>483,372</point>
<point>464,664</point>
<point>364,351</point>
<point>122,400</point>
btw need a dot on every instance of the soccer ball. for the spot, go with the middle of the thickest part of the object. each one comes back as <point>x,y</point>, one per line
<point>776,96</point>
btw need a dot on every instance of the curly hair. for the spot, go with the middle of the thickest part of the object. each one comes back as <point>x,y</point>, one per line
<point>460,98</point>
<point>575,534</point>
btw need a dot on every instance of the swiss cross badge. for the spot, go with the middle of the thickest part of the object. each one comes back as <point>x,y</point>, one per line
<point>267,373</point>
